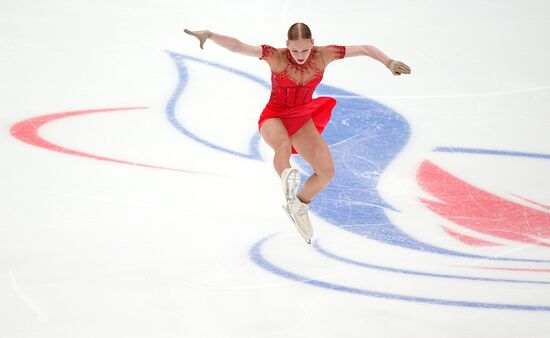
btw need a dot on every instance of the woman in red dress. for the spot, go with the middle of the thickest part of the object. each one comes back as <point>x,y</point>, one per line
<point>292,121</point>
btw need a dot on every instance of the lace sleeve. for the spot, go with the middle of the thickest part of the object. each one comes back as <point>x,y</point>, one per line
<point>273,57</point>
<point>267,52</point>
<point>332,52</point>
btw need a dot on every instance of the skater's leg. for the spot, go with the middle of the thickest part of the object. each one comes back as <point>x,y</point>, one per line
<point>275,135</point>
<point>313,148</point>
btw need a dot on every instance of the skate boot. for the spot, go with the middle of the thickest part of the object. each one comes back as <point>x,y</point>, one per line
<point>291,182</point>
<point>297,211</point>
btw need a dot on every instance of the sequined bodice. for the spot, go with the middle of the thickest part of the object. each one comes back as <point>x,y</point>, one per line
<point>296,83</point>
<point>293,84</point>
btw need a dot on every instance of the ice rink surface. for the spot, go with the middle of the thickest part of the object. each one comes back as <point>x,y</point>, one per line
<point>137,199</point>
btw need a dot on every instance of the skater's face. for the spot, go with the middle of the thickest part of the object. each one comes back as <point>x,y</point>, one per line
<point>300,49</point>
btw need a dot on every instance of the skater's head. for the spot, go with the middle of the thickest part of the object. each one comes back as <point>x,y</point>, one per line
<point>300,42</point>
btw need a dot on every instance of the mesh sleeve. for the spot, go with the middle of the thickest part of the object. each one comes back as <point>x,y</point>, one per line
<point>336,52</point>
<point>333,52</point>
<point>273,57</point>
<point>267,52</point>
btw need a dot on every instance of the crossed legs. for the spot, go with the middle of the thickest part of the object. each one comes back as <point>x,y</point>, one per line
<point>309,143</point>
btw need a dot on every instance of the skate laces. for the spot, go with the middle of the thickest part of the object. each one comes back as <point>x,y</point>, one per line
<point>298,212</point>
<point>300,209</point>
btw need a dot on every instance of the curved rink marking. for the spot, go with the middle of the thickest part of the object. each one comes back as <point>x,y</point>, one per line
<point>350,261</point>
<point>351,127</point>
<point>255,254</point>
<point>472,208</point>
<point>27,131</point>
<point>360,208</point>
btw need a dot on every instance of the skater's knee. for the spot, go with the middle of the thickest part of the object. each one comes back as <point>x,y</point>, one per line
<point>283,146</point>
<point>325,171</point>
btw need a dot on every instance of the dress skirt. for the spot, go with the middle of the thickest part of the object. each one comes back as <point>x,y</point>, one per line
<point>319,110</point>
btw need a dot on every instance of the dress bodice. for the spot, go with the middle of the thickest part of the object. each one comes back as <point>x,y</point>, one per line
<point>293,84</point>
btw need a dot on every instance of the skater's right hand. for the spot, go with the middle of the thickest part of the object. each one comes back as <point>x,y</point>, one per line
<point>398,67</point>
<point>201,35</point>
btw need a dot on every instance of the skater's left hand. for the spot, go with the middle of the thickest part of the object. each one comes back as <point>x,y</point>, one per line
<point>398,67</point>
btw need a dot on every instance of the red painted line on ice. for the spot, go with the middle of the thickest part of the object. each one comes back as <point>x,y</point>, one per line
<point>510,269</point>
<point>27,131</point>
<point>478,210</point>
<point>469,239</point>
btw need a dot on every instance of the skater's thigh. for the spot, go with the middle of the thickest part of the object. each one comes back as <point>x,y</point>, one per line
<point>313,148</point>
<point>274,133</point>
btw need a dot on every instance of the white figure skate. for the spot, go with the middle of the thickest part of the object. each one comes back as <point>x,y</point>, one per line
<point>291,182</point>
<point>297,211</point>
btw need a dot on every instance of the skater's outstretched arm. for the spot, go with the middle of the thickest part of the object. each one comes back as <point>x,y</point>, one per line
<point>396,67</point>
<point>226,42</point>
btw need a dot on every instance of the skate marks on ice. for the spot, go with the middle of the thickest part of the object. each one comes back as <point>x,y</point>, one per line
<point>365,136</point>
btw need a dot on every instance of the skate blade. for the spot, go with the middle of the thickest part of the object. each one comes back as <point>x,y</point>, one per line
<point>308,240</point>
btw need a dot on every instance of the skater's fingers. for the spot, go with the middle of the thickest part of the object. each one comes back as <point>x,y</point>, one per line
<point>402,68</point>
<point>405,68</point>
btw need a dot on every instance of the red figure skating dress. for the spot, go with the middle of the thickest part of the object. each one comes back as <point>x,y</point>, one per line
<point>293,86</point>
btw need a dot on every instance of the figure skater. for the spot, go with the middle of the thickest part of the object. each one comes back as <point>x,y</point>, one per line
<point>292,121</point>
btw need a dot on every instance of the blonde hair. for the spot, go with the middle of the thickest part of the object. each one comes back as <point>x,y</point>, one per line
<point>299,31</point>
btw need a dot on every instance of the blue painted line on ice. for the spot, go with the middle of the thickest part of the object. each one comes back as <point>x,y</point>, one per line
<point>183,79</point>
<point>256,256</point>
<point>352,202</point>
<point>328,254</point>
<point>364,137</point>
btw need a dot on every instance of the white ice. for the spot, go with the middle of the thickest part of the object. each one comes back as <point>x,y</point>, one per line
<point>94,248</point>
